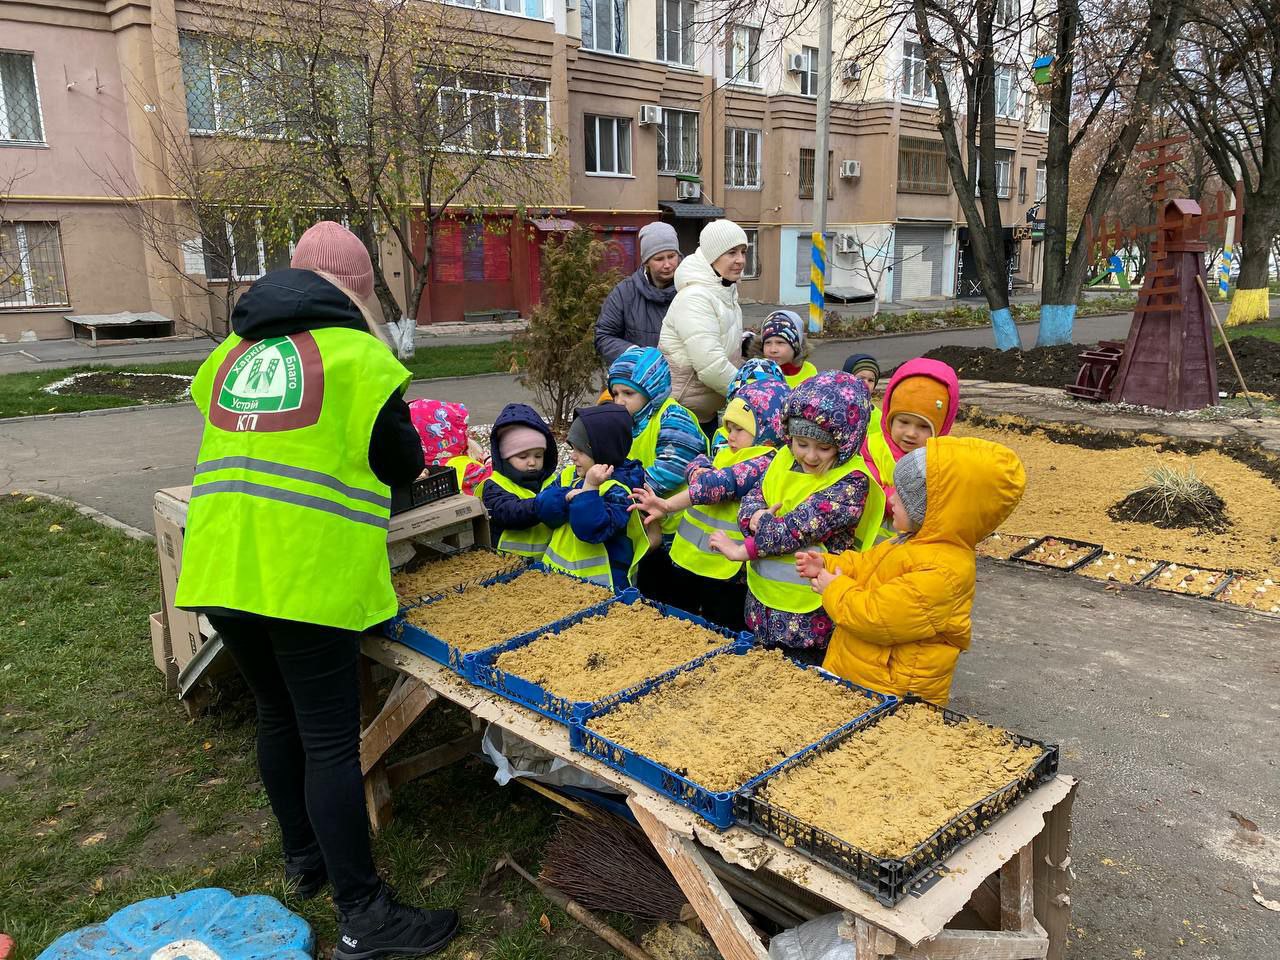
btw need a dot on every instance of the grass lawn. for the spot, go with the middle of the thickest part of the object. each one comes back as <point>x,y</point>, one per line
<point>1267,329</point>
<point>21,394</point>
<point>109,794</point>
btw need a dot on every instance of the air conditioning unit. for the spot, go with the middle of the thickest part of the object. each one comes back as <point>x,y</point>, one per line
<point>688,190</point>
<point>850,71</point>
<point>650,113</point>
<point>797,63</point>
<point>850,169</point>
<point>846,243</point>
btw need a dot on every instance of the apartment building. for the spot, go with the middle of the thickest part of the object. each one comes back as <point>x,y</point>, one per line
<point>654,109</point>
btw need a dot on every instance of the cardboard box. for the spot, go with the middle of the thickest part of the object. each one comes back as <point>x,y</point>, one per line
<point>161,652</point>
<point>187,634</point>
<point>461,516</point>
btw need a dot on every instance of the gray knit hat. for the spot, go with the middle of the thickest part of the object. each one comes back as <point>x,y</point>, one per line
<point>800,427</point>
<point>656,238</point>
<point>578,437</point>
<point>909,482</point>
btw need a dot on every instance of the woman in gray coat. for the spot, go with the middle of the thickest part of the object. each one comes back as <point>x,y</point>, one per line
<point>633,312</point>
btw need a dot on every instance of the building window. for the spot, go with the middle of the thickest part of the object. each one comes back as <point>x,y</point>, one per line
<point>604,25</point>
<point>1008,96</point>
<point>675,31</point>
<point>528,8</point>
<point>915,78</point>
<point>807,175</point>
<point>1039,113</point>
<point>804,256</point>
<point>922,166</point>
<point>809,75</point>
<point>1005,13</point>
<point>486,113</point>
<point>1004,174</point>
<point>20,120</point>
<point>31,271</point>
<point>741,157</point>
<point>608,144</point>
<point>678,142</point>
<point>742,53</point>
<point>752,270</point>
<point>1022,184</point>
<point>1042,181</point>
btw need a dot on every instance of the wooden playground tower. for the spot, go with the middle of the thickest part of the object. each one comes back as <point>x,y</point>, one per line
<point>1168,359</point>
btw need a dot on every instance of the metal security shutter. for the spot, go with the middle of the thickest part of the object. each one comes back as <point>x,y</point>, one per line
<point>918,261</point>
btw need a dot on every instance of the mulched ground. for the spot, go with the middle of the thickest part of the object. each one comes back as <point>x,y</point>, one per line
<point>146,388</point>
<point>1259,361</point>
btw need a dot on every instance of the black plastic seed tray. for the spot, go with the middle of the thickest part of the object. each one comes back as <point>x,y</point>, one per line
<point>1024,555</point>
<point>439,484</point>
<point>888,879</point>
<point>1154,579</point>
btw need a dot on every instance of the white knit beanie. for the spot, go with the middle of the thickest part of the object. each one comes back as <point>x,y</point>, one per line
<point>720,236</point>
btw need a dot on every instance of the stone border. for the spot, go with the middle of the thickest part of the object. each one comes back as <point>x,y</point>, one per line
<point>129,530</point>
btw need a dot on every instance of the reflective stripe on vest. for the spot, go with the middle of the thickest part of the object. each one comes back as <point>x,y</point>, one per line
<point>644,447</point>
<point>283,494</point>
<point>774,580</point>
<point>531,541</point>
<point>590,561</point>
<point>691,549</point>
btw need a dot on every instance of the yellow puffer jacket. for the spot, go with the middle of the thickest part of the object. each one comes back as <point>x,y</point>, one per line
<point>902,608</point>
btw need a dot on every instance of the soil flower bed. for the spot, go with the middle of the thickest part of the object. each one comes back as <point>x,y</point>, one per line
<point>484,616</point>
<point>142,387</point>
<point>440,576</point>
<point>1002,546</point>
<point>1071,485</point>
<point>1118,568</point>
<point>1255,593</point>
<point>606,654</point>
<point>728,721</point>
<point>888,788</point>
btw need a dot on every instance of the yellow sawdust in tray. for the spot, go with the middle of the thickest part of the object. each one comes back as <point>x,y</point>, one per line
<point>1118,568</point>
<point>485,616</point>
<point>892,786</point>
<point>438,576</point>
<point>606,654</point>
<point>1256,593</point>
<point>1002,546</point>
<point>1057,553</point>
<point>1069,489</point>
<point>732,718</point>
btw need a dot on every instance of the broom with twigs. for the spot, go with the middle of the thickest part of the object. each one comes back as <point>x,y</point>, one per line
<point>608,864</point>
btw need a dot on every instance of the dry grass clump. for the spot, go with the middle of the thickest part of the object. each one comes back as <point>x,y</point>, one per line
<point>1174,500</point>
<point>888,788</point>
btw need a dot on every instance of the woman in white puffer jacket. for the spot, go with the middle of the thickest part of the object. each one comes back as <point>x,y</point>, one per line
<point>702,333</point>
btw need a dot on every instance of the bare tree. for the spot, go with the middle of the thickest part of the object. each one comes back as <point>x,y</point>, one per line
<point>1227,91</point>
<point>392,113</point>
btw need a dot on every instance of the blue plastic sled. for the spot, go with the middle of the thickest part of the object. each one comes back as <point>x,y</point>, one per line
<point>209,924</point>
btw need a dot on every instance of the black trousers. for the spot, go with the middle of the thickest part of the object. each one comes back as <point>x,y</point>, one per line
<point>304,680</point>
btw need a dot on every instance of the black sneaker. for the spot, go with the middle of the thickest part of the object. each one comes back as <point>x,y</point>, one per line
<point>388,928</point>
<point>306,872</point>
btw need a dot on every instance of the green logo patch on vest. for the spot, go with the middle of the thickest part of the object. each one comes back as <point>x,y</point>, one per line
<point>266,378</point>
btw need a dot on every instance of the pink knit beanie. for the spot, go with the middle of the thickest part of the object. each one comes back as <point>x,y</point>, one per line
<point>332,248</point>
<point>518,438</point>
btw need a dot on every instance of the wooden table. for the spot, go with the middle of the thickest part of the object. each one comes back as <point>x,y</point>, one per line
<point>1013,878</point>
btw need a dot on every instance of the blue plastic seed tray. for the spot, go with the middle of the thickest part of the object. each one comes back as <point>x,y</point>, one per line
<point>716,808</point>
<point>441,651</point>
<point>481,668</point>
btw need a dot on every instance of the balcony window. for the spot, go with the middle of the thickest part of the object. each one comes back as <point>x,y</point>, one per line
<point>604,25</point>
<point>608,145</point>
<point>922,166</point>
<point>676,19</point>
<point>741,158</point>
<point>915,78</point>
<point>20,120</point>
<point>742,53</point>
<point>1008,96</point>
<point>678,142</point>
<point>807,164</point>
<point>809,75</point>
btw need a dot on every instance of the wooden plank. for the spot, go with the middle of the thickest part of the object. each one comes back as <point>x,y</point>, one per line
<point>377,797</point>
<point>979,945</point>
<point>1052,864</point>
<point>725,924</point>
<point>428,761</point>
<point>402,709</point>
<point>1017,893</point>
<point>986,902</point>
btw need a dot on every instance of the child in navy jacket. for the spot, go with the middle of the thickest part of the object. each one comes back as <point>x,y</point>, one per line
<point>524,457</point>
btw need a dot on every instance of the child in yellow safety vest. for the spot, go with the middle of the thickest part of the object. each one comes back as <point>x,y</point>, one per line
<point>782,340</point>
<point>902,609</point>
<point>594,535</point>
<point>524,458</point>
<point>442,430</point>
<point>703,580</point>
<point>816,495</point>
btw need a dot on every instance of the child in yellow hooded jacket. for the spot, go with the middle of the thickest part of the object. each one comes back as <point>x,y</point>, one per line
<point>902,609</point>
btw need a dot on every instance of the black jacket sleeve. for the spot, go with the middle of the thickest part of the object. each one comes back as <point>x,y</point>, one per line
<point>395,451</point>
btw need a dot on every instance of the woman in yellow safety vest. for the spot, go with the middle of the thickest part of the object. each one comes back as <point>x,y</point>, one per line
<point>305,432</point>
<point>816,495</point>
<point>704,580</point>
